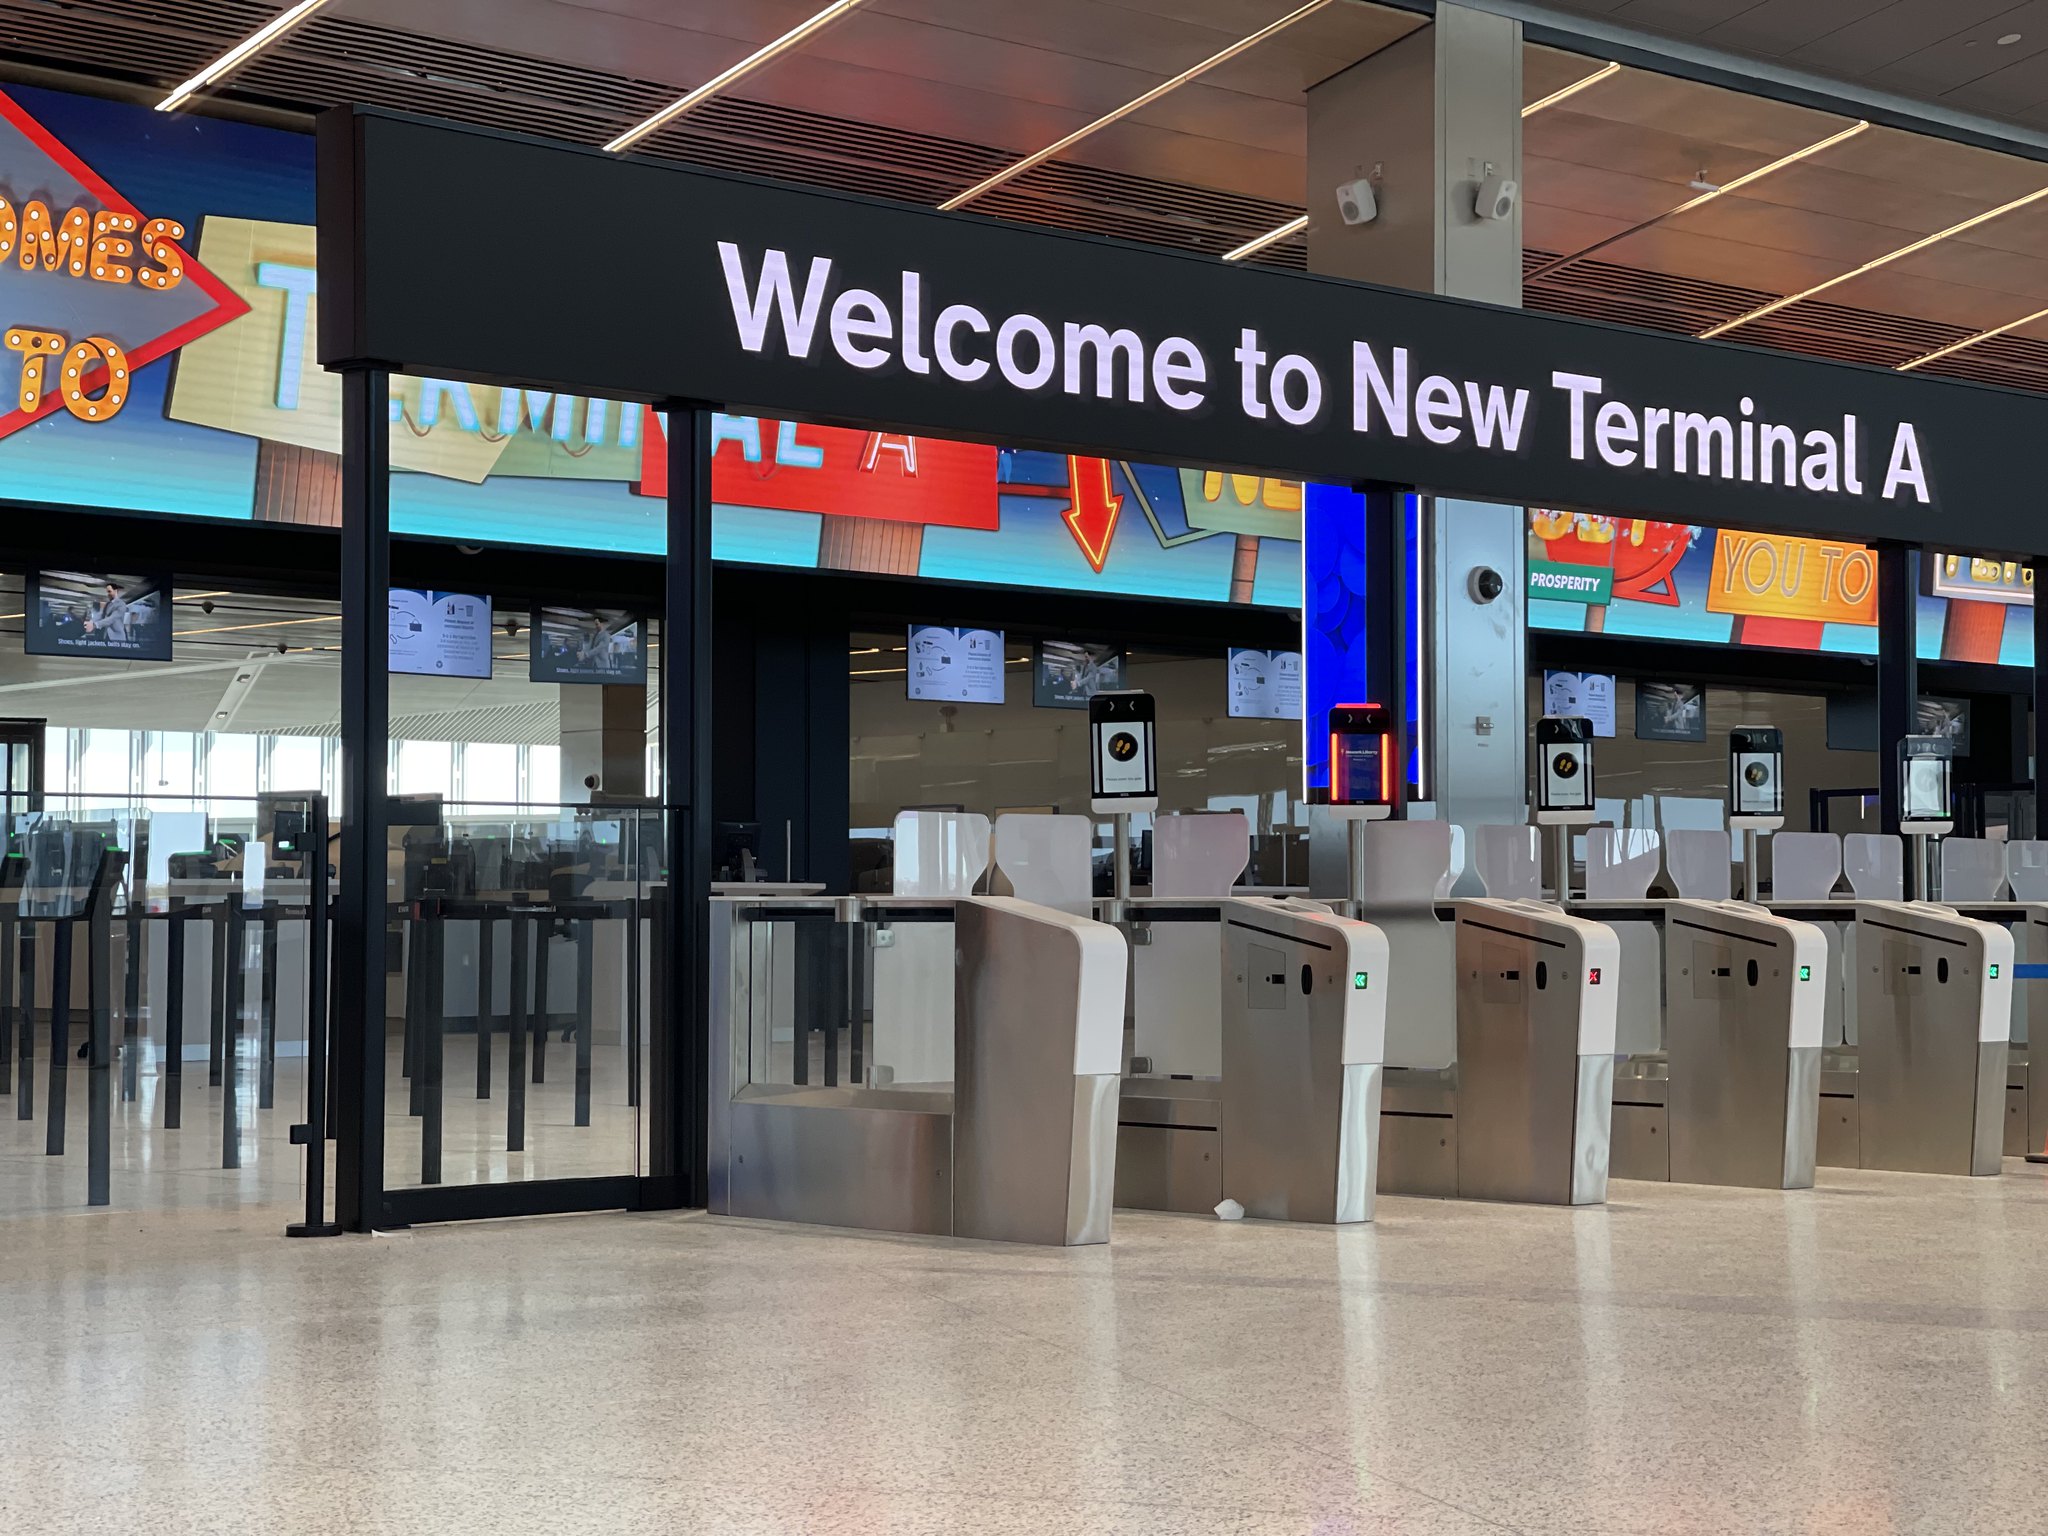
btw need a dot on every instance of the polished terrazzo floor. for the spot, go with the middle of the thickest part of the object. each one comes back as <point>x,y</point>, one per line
<point>1864,1357</point>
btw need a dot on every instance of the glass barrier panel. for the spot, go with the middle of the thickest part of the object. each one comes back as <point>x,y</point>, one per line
<point>154,999</point>
<point>521,973</point>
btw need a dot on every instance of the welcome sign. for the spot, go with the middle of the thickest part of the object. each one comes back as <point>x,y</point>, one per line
<point>754,295</point>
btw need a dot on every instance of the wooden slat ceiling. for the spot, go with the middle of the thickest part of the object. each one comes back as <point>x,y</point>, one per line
<point>1625,151</point>
<point>1987,57</point>
<point>917,99</point>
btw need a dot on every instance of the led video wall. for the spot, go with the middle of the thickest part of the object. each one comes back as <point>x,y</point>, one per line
<point>202,398</point>
<point>1677,581</point>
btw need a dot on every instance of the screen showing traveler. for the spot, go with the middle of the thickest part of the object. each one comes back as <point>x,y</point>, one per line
<point>98,613</point>
<point>1265,685</point>
<point>588,645</point>
<point>956,666</point>
<point>1066,674</point>
<point>440,634</point>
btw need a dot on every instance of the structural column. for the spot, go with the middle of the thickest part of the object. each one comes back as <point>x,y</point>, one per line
<point>604,737</point>
<point>1426,120</point>
<point>359,915</point>
<point>679,1047</point>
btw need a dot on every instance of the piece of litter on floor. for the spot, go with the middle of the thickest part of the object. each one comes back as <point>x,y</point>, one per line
<point>1230,1210</point>
<point>400,1232</point>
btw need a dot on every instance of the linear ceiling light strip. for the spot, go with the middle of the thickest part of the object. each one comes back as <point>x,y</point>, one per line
<point>241,53</point>
<point>1258,243</point>
<point>1296,226</point>
<point>1876,262</point>
<point>1571,90</point>
<point>1138,104</point>
<point>1557,263</point>
<point>795,37</point>
<point>1970,341</point>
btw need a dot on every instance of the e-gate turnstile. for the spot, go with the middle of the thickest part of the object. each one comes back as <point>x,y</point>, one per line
<point>2026,1110</point>
<point>1289,1127</point>
<point>1304,1034</point>
<point>1500,1027</point>
<point>1923,1089</point>
<point>1535,1066</point>
<point>1733,1095</point>
<point>1019,1146</point>
<point>1934,1016</point>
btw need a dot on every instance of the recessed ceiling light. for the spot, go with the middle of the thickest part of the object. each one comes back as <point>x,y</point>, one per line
<point>2008,40</point>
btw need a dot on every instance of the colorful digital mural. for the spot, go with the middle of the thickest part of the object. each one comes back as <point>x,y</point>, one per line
<point>224,413</point>
<point>1676,581</point>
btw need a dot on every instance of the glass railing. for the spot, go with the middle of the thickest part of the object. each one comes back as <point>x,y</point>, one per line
<point>154,1001</point>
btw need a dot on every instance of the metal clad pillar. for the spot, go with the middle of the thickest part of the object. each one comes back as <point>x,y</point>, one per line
<point>679,1066</point>
<point>359,912</point>
<point>1427,119</point>
<point>1898,669</point>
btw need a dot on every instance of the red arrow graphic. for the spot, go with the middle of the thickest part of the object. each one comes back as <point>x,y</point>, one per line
<point>1092,517</point>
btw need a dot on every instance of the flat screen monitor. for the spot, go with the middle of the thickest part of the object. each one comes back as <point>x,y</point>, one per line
<point>955,666</point>
<point>1265,685</point>
<point>98,613</point>
<point>440,634</point>
<point>588,645</point>
<point>1066,674</point>
<point>1588,695</point>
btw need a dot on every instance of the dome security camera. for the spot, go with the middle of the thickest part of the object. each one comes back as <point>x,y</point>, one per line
<point>1485,584</point>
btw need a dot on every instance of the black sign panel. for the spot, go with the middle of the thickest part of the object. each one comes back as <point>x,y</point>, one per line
<point>466,254</point>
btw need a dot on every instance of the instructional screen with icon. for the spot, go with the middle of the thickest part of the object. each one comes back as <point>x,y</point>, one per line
<point>955,666</point>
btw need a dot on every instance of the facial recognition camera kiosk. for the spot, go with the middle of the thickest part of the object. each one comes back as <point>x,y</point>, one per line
<point>1364,759</point>
<point>1926,803</point>
<point>1123,767</point>
<point>1564,786</point>
<point>1756,792</point>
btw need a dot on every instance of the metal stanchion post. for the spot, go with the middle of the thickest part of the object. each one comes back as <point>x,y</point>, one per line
<point>99,1062</point>
<point>586,941</point>
<point>516,1037</point>
<point>217,1002</point>
<point>313,1134</point>
<point>8,954</point>
<point>236,998</point>
<point>544,934</point>
<point>266,1067</point>
<point>60,1036</point>
<point>486,985</point>
<point>176,933</point>
<point>25,1057</point>
<point>131,1003</point>
<point>430,929</point>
